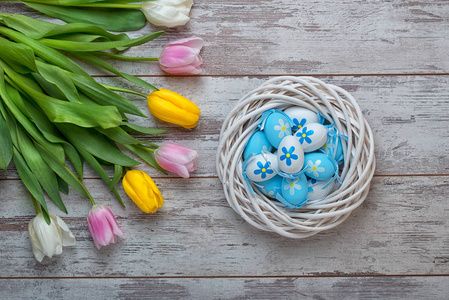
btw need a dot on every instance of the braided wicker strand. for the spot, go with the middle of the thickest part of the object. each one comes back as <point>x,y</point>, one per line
<point>334,104</point>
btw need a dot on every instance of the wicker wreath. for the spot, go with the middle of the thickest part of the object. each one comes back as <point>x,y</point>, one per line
<point>337,106</point>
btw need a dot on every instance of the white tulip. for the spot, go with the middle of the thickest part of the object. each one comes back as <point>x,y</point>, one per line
<point>169,13</point>
<point>48,240</point>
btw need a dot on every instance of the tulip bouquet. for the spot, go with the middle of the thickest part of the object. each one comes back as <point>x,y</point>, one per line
<point>116,15</point>
<point>53,113</point>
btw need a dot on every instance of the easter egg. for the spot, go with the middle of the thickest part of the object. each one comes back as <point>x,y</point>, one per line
<point>301,116</point>
<point>312,136</point>
<point>319,189</point>
<point>276,127</point>
<point>256,143</point>
<point>262,167</point>
<point>333,148</point>
<point>318,166</point>
<point>270,187</point>
<point>290,155</point>
<point>295,190</point>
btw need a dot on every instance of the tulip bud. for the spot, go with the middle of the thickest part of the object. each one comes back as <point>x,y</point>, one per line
<point>182,56</point>
<point>177,159</point>
<point>170,13</point>
<point>173,108</point>
<point>48,239</point>
<point>102,226</point>
<point>142,190</point>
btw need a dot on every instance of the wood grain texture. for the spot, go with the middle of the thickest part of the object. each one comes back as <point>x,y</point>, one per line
<point>307,37</point>
<point>335,288</point>
<point>399,230</point>
<point>406,113</point>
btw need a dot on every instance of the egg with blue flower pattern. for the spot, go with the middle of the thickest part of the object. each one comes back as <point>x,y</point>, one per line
<point>319,189</point>
<point>290,155</point>
<point>333,147</point>
<point>276,127</point>
<point>262,167</point>
<point>294,190</point>
<point>256,143</point>
<point>301,116</point>
<point>312,136</point>
<point>270,187</point>
<point>319,166</point>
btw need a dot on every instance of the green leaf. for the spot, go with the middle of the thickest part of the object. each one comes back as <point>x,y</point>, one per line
<point>119,135</point>
<point>107,18</point>
<point>64,173</point>
<point>29,180</point>
<point>63,186</point>
<point>140,129</point>
<point>101,63</point>
<point>75,159</point>
<point>58,77</point>
<point>40,169</point>
<point>18,56</point>
<point>144,154</point>
<point>118,173</point>
<point>103,96</point>
<point>95,143</point>
<point>6,151</point>
<point>99,46</point>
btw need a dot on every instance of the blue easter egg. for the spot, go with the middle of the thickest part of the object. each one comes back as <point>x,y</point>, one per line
<point>271,187</point>
<point>319,189</point>
<point>318,166</point>
<point>312,136</point>
<point>295,190</point>
<point>301,116</point>
<point>262,167</point>
<point>333,148</point>
<point>276,127</point>
<point>256,143</point>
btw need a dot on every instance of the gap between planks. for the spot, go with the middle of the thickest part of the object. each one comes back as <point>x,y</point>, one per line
<point>276,75</point>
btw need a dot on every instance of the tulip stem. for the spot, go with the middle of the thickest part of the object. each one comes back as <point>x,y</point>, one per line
<point>111,5</point>
<point>36,206</point>
<point>124,90</point>
<point>123,57</point>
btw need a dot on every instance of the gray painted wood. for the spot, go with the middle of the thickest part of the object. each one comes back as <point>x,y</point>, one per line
<point>401,229</point>
<point>307,37</point>
<point>228,288</point>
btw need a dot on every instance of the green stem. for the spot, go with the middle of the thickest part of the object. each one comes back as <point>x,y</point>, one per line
<point>111,5</point>
<point>36,206</point>
<point>119,89</point>
<point>123,57</point>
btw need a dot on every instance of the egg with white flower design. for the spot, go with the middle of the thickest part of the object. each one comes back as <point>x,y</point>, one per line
<point>301,116</point>
<point>319,166</point>
<point>270,187</point>
<point>333,146</point>
<point>319,189</point>
<point>262,167</point>
<point>294,190</point>
<point>290,155</point>
<point>312,136</point>
<point>276,127</point>
<point>256,144</point>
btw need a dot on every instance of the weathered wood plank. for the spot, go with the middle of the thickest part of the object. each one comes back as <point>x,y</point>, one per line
<point>229,288</point>
<point>406,113</point>
<point>308,37</point>
<point>401,229</point>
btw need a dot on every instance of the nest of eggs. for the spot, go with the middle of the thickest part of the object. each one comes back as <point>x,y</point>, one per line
<point>353,176</point>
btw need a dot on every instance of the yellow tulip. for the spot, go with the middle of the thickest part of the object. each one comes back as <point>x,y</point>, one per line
<point>173,108</point>
<point>142,190</point>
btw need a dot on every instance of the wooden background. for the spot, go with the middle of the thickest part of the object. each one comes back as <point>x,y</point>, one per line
<point>391,55</point>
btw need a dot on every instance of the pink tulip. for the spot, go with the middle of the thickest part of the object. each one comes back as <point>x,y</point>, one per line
<point>182,56</point>
<point>102,226</point>
<point>177,159</point>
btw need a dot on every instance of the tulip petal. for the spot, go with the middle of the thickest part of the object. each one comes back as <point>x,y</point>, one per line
<point>131,179</point>
<point>191,42</point>
<point>35,243</point>
<point>176,153</point>
<point>99,227</point>
<point>168,112</point>
<point>165,15</point>
<point>48,235</point>
<point>184,70</point>
<point>170,166</point>
<point>177,56</point>
<point>111,219</point>
<point>68,239</point>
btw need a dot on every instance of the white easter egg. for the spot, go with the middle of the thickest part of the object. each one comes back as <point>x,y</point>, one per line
<point>319,189</point>
<point>301,116</point>
<point>262,167</point>
<point>294,190</point>
<point>290,155</point>
<point>312,136</point>
<point>276,127</point>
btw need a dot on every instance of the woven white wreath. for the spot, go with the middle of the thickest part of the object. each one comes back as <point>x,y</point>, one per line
<point>334,104</point>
